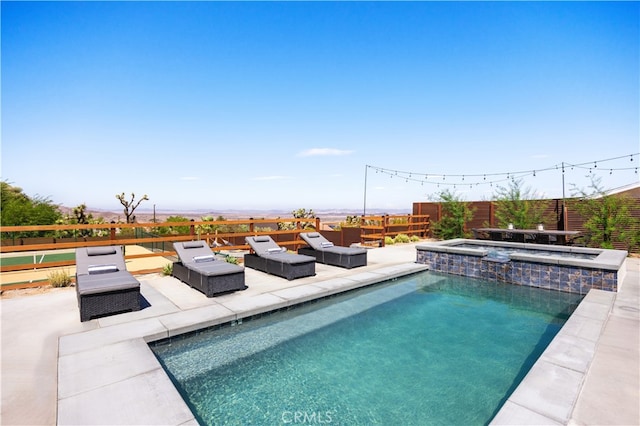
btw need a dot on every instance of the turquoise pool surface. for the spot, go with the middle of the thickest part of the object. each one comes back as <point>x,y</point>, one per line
<point>533,252</point>
<point>428,349</point>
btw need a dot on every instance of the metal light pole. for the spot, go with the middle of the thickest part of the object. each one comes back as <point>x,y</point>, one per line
<point>563,184</point>
<point>364,207</point>
<point>564,210</point>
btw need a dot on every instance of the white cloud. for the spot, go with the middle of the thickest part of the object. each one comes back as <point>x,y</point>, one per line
<point>314,152</point>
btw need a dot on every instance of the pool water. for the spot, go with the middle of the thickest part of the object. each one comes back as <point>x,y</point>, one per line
<point>424,349</point>
<point>536,252</point>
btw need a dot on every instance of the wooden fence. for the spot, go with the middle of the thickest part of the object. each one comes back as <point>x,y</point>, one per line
<point>374,229</point>
<point>225,235</point>
<point>566,218</point>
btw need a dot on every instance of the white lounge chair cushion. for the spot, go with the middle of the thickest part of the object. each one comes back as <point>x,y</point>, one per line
<point>206,258</point>
<point>326,244</point>
<point>276,250</point>
<point>101,269</point>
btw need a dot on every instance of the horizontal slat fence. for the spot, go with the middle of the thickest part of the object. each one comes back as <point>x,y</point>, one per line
<point>484,215</point>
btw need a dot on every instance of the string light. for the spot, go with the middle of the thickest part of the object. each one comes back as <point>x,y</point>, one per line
<point>453,180</point>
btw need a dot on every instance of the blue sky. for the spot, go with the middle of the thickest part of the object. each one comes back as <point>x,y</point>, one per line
<point>282,105</point>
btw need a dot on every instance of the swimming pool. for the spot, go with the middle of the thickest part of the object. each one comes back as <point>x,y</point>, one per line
<point>424,349</point>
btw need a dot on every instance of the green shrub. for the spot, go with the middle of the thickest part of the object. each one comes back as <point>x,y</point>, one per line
<point>59,278</point>
<point>401,238</point>
<point>266,229</point>
<point>19,209</point>
<point>520,206</point>
<point>231,259</point>
<point>415,238</point>
<point>174,230</point>
<point>299,214</point>
<point>127,232</point>
<point>398,221</point>
<point>389,241</point>
<point>351,222</point>
<point>167,269</point>
<point>456,213</point>
<point>608,218</point>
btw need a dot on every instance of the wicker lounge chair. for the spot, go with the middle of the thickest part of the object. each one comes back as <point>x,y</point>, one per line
<point>325,252</point>
<point>269,257</point>
<point>103,284</point>
<point>199,268</point>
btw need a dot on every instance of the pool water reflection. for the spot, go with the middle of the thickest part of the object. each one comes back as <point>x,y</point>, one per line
<point>423,349</point>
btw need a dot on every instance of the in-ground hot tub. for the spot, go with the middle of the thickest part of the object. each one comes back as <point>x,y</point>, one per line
<point>564,268</point>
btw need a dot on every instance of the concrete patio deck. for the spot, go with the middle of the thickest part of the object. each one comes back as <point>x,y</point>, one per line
<point>57,370</point>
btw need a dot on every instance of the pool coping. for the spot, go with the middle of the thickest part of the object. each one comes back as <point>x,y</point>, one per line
<point>110,375</point>
<point>489,260</point>
<point>606,259</point>
<point>101,370</point>
<point>549,391</point>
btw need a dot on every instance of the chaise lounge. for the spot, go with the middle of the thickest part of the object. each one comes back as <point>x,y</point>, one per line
<point>325,252</point>
<point>269,257</point>
<point>103,284</point>
<point>199,268</point>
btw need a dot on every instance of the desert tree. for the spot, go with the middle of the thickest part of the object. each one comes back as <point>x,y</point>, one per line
<point>79,216</point>
<point>130,205</point>
<point>607,216</point>
<point>519,206</point>
<point>456,213</point>
<point>301,213</point>
<point>19,209</point>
